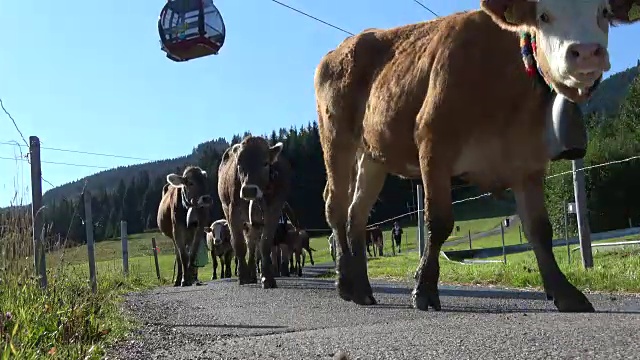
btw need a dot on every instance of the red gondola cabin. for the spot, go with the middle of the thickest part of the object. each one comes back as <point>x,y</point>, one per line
<point>190,29</point>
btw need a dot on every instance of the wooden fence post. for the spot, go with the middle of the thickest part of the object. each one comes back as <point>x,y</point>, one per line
<point>125,247</point>
<point>155,256</point>
<point>88,222</point>
<point>37,211</point>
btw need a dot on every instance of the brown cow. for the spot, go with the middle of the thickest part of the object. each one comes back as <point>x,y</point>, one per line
<point>219,244</point>
<point>451,97</point>
<point>183,215</point>
<point>298,242</point>
<point>374,237</point>
<point>253,182</point>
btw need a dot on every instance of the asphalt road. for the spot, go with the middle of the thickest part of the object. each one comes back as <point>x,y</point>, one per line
<point>305,319</point>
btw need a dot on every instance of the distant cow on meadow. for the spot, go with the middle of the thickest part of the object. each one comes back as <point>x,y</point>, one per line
<point>253,182</point>
<point>375,239</point>
<point>183,215</point>
<point>298,241</point>
<point>219,244</point>
<point>469,94</point>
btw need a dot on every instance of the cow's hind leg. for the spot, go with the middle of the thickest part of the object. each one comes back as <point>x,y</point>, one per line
<point>438,214</point>
<point>339,164</point>
<point>535,219</point>
<point>369,183</point>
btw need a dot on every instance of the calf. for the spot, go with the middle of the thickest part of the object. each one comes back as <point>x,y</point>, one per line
<point>459,95</point>
<point>374,237</point>
<point>219,244</point>
<point>253,182</point>
<point>182,216</point>
<point>298,241</point>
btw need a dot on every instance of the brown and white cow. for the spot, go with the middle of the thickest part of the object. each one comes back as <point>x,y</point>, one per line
<point>253,182</point>
<point>450,97</point>
<point>183,215</point>
<point>219,244</point>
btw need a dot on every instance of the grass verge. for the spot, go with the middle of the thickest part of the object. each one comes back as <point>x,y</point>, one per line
<point>66,320</point>
<point>614,270</point>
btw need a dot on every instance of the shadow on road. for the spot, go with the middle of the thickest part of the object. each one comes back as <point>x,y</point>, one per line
<point>221,326</point>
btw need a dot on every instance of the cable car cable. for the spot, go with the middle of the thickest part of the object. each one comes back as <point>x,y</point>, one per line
<point>313,17</point>
<point>426,8</point>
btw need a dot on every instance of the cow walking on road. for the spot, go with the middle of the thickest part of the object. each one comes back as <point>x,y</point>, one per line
<point>183,215</point>
<point>470,94</point>
<point>253,182</point>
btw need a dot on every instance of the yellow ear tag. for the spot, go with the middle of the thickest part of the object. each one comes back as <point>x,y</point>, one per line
<point>634,12</point>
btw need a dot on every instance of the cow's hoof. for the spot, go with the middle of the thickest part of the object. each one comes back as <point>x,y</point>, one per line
<point>577,302</point>
<point>268,283</point>
<point>549,296</point>
<point>422,300</point>
<point>300,272</point>
<point>214,277</point>
<point>176,284</point>
<point>244,280</point>
<point>186,283</point>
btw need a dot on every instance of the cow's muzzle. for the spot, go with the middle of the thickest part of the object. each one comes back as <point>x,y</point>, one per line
<point>250,192</point>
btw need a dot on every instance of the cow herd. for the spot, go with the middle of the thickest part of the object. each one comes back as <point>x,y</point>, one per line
<point>486,95</point>
<point>253,184</point>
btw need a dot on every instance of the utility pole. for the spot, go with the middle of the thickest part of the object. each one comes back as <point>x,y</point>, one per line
<point>36,210</point>
<point>580,194</point>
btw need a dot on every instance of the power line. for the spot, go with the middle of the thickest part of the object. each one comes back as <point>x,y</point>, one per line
<point>313,17</point>
<point>489,194</point>
<point>59,163</point>
<point>426,8</point>
<point>80,152</point>
<point>14,123</point>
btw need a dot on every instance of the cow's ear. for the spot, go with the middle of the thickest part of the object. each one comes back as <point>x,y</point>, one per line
<point>511,15</point>
<point>274,152</point>
<point>175,180</point>
<point>625,11</point>
<point>208,230</point>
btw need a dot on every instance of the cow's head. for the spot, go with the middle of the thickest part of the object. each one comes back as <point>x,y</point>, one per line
<point>571,36</point>
<point>255,158</point>
<point>194,185</point>
<point>217,231</point>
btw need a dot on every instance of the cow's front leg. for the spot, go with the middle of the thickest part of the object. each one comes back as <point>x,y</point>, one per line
<point>227,264</point>
<point>192,253</point>
<point>535,219</point>
<point>266,243</point>
<point>438,215</point>
<point>252,235</point>
<point>239,245</point>
<point>214,264</point>
<point>284,260</point>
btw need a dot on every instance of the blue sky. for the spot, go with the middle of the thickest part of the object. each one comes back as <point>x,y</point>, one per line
<point>89,76</point>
